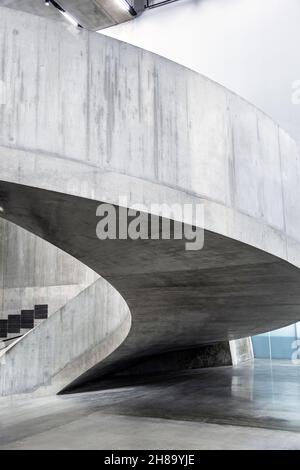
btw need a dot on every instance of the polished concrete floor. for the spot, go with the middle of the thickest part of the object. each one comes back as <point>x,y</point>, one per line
<point>253,406</point>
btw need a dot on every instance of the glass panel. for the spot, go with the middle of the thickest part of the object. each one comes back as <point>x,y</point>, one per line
<point>277,344</point>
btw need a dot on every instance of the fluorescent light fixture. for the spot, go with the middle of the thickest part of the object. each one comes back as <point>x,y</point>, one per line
<point>125,5</point>
<point>69,18</point>
<point>1,209</point>
<point>67,15</point>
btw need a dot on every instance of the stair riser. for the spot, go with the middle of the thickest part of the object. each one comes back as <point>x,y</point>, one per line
<point>21,324</point>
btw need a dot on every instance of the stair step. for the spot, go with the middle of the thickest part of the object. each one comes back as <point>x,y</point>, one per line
<point>3,328</point>
<point>27,319</point>
<point>41,312</point>
<point>13,323</point>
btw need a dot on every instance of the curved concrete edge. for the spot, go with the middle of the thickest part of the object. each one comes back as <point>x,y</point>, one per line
<point>75,338</point>
<point>112,106</point>
<point>87,181</point>
<point>102,106</point>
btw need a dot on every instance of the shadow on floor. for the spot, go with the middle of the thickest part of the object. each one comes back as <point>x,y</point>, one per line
<point>255,399</point>
<point>259,393</point>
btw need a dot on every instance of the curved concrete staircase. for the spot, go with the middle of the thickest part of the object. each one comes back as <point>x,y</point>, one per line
<point>112,123</point>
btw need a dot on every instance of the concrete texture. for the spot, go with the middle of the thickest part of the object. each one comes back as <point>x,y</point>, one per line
<point>241,350</point>
<point>87,119</point>
<point>82,333</point>
<point>245,53</point>
<point>34,272</point>
<point>91,14</point>
<point>178,299</point>
<point>209,409</point>
<point>96,118</point>
<point>214,355</point>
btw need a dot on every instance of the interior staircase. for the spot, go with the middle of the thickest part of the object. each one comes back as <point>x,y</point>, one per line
<point>15,326</point>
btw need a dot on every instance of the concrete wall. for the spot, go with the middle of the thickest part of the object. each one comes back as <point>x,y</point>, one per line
<point>80,334</point>
<point>249,46</point>
<point>31,270</point>
<point>241,350</point>
<point>34,272</point>
<point>215,355</point>
<point>90,116</point>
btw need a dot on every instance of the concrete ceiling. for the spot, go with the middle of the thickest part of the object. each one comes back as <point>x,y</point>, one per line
<point>91,14</point>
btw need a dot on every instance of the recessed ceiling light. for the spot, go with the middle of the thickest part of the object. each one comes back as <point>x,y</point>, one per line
<point>70,18</point>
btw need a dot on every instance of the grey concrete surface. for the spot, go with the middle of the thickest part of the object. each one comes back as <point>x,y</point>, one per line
<point>34,272</point>
<point>252,407</point>
<point>98,119</point>
<point>93,119</point>
<point>213,355</point>
<point>178,299</point>
<point>75,338</point>
<point>91,14</point>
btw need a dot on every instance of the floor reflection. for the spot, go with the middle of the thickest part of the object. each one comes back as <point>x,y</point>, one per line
<point>259,394</point>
